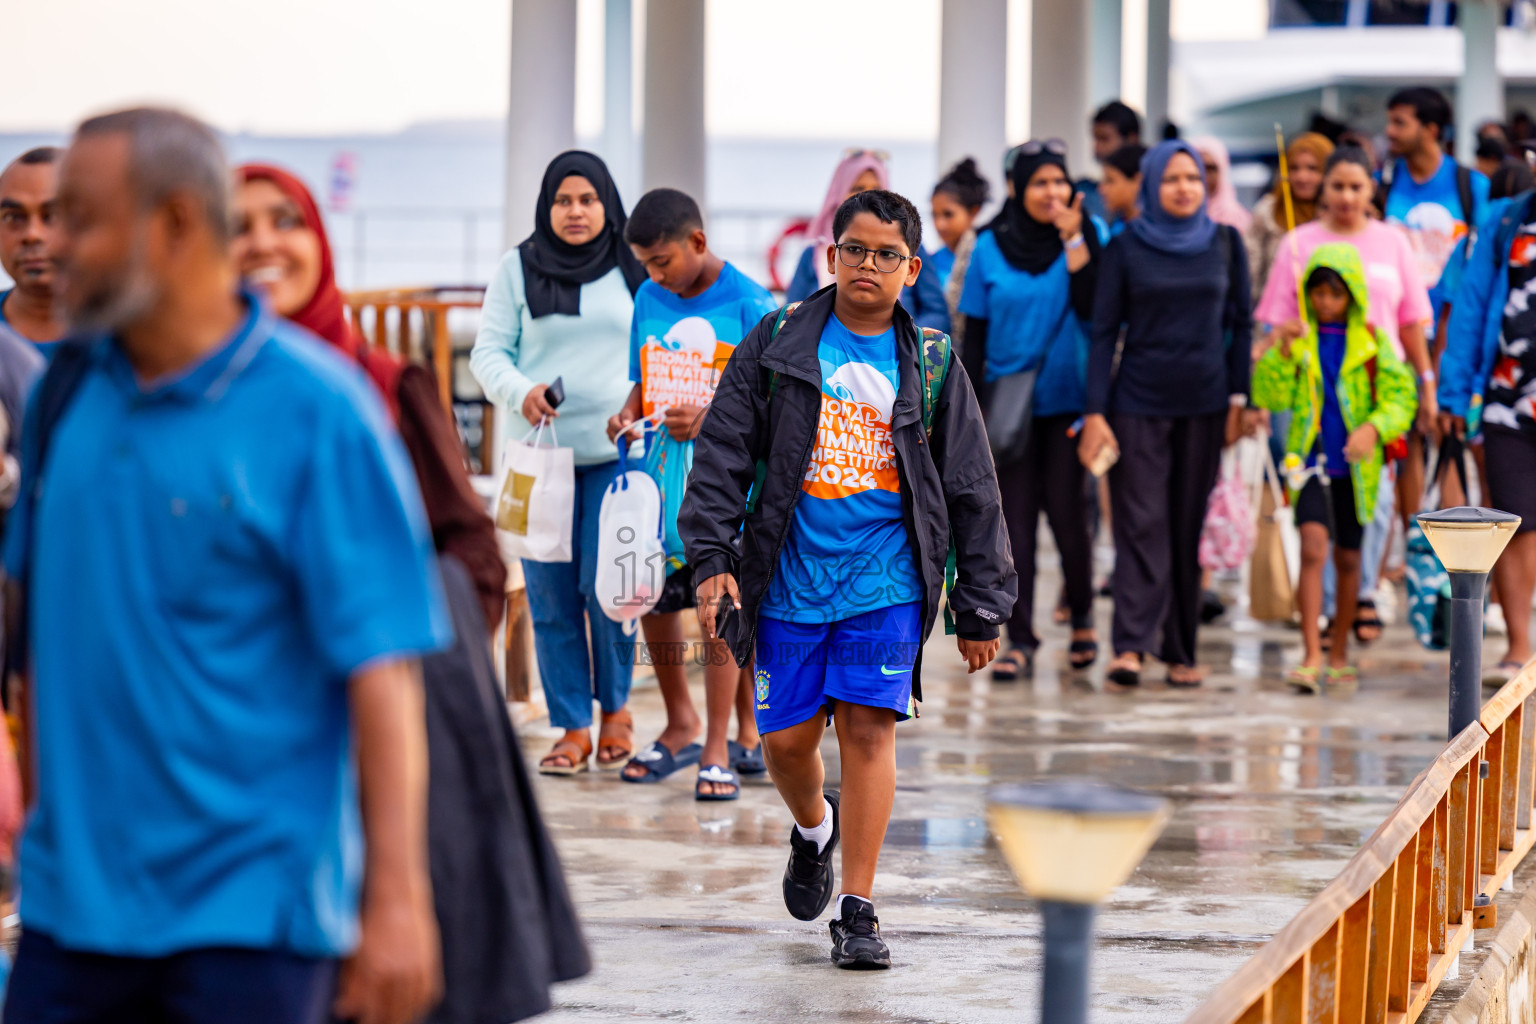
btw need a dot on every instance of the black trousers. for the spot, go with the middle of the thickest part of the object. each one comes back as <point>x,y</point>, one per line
<point>1049,478</point>
<point>1158,494</point>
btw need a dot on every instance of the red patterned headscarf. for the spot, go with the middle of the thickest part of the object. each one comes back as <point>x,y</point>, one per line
<point>325,314</point>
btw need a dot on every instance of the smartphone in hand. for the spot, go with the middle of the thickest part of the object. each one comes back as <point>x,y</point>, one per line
<point>555,393</point>
<point>723,610</point>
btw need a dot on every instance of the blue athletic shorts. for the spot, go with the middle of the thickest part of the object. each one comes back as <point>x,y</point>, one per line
<point>803,667</point>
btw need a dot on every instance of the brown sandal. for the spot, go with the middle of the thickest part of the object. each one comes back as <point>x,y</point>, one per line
<point>574,748</point>
<point>1186,676</point>
<point>616,733</point>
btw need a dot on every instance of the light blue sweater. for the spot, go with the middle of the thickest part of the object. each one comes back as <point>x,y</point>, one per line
<point>513,352</point>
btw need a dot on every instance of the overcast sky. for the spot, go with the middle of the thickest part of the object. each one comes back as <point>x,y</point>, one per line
<point>318,67</point>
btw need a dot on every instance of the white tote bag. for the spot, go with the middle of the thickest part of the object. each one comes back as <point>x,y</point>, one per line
<point>536,502</point>
<point>631,559</point>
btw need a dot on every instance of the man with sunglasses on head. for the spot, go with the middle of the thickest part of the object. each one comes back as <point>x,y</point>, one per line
<point>851,446</point>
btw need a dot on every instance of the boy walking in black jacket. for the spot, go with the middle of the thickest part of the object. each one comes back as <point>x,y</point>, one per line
<point>853,467</point>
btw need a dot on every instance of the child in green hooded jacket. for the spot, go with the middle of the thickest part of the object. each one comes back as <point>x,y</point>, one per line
<point>1351,395</point>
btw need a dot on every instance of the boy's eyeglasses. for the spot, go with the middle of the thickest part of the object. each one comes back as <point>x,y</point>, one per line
<point>1034,147</point>
<point>878,154</point>
<point>887,261</point>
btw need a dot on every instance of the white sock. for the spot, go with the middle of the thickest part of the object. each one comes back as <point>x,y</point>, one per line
<point>837,908</point>
<point>821,835</point>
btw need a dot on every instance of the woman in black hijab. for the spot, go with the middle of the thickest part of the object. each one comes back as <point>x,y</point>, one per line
<point>557,263</point>
<point>560,307</point>
<point>1027,298</point>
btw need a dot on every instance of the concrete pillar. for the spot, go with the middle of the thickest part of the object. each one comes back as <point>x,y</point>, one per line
<point>1107,55</point>
<point>1480,93</point>
<point>618,99</point>
<point>1159,56</point>
<point>1060,68</point>
<point>973,82</point>
<point>541,108</point>
<point>674,150</point>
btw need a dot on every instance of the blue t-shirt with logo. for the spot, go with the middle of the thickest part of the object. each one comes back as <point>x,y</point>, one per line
<point>678,347</point>
<point>677,350</point>
<point>1031,324</point>
<point>848,552</point>
<point>1431,213</point>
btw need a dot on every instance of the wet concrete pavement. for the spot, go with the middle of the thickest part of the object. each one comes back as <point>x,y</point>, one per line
<point>1272,793</point>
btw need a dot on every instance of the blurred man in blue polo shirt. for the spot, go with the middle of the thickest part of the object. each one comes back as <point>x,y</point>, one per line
<point>228,577</point>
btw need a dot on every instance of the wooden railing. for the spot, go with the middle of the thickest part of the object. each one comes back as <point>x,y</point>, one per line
<point>413,323</point>
<point>1376,943</point>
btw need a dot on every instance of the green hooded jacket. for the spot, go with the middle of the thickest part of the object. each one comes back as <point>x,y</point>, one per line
<point>1296,383</point>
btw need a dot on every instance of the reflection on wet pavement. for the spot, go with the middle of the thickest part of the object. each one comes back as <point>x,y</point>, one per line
<point>1272,793</point>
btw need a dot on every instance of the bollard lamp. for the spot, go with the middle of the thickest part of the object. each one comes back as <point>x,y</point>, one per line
<point>1468,541</point>
<point>1069,843</point>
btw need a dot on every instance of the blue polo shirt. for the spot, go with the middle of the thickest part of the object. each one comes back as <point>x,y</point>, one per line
<point>211,557</point>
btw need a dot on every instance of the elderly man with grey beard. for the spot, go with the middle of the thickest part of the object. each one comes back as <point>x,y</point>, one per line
<point>227,579</point>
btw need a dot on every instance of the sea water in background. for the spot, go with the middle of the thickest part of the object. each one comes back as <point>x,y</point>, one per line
<point>424,206</point>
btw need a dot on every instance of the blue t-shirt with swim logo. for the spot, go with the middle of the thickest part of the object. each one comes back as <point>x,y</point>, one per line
<point>678,347</point>
<point>1432,216</point>
<point>848,552</point>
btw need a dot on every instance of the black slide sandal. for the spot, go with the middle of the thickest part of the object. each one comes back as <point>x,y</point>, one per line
<point>1009,668</point>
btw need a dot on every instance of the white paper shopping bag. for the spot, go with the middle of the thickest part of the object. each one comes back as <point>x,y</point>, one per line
<point>631,562</point>
<point>536,502</point>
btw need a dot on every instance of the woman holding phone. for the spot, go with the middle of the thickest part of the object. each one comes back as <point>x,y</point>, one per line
<point>558,311</point>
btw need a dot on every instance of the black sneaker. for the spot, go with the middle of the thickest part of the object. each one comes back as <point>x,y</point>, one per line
<point>856,941</point>
<point>808,884</point>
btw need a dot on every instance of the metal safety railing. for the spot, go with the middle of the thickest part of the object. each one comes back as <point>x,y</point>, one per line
<point>1374,945</point>
<point>435,326</point>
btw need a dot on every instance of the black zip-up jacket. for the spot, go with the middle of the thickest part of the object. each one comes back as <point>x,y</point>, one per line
<point>947,483</point>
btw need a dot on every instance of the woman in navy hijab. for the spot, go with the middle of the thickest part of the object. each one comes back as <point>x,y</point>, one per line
<point>1173,298</point>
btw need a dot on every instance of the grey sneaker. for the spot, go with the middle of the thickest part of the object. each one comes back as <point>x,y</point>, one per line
<point>856,941</point>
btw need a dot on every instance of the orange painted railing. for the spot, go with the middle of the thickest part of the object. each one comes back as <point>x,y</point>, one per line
<point>1376,943</point>
<point>413,323</point>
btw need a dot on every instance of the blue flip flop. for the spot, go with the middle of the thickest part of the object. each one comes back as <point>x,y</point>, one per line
<point>747,762</point>
<point>659,762</point>
<point>720,777</point>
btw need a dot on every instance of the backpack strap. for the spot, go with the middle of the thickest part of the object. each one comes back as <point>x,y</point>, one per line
<point>1370,373</point>
<point>761,475</point>
<point>67,369</point>
<point>936,353</point>
<point>1468,202</point>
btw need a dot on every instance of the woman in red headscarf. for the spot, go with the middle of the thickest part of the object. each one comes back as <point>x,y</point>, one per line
<point>281,250</point>
<point>506,922</point>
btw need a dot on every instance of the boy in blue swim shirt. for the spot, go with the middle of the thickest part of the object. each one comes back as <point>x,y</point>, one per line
<point>688,318</point>
<point>847,448</point>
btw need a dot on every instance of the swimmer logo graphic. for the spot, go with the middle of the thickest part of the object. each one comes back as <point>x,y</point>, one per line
<point>681,366</point>
<point>1433,232</point>
<point>762,689</point>
<point>854,452</point>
